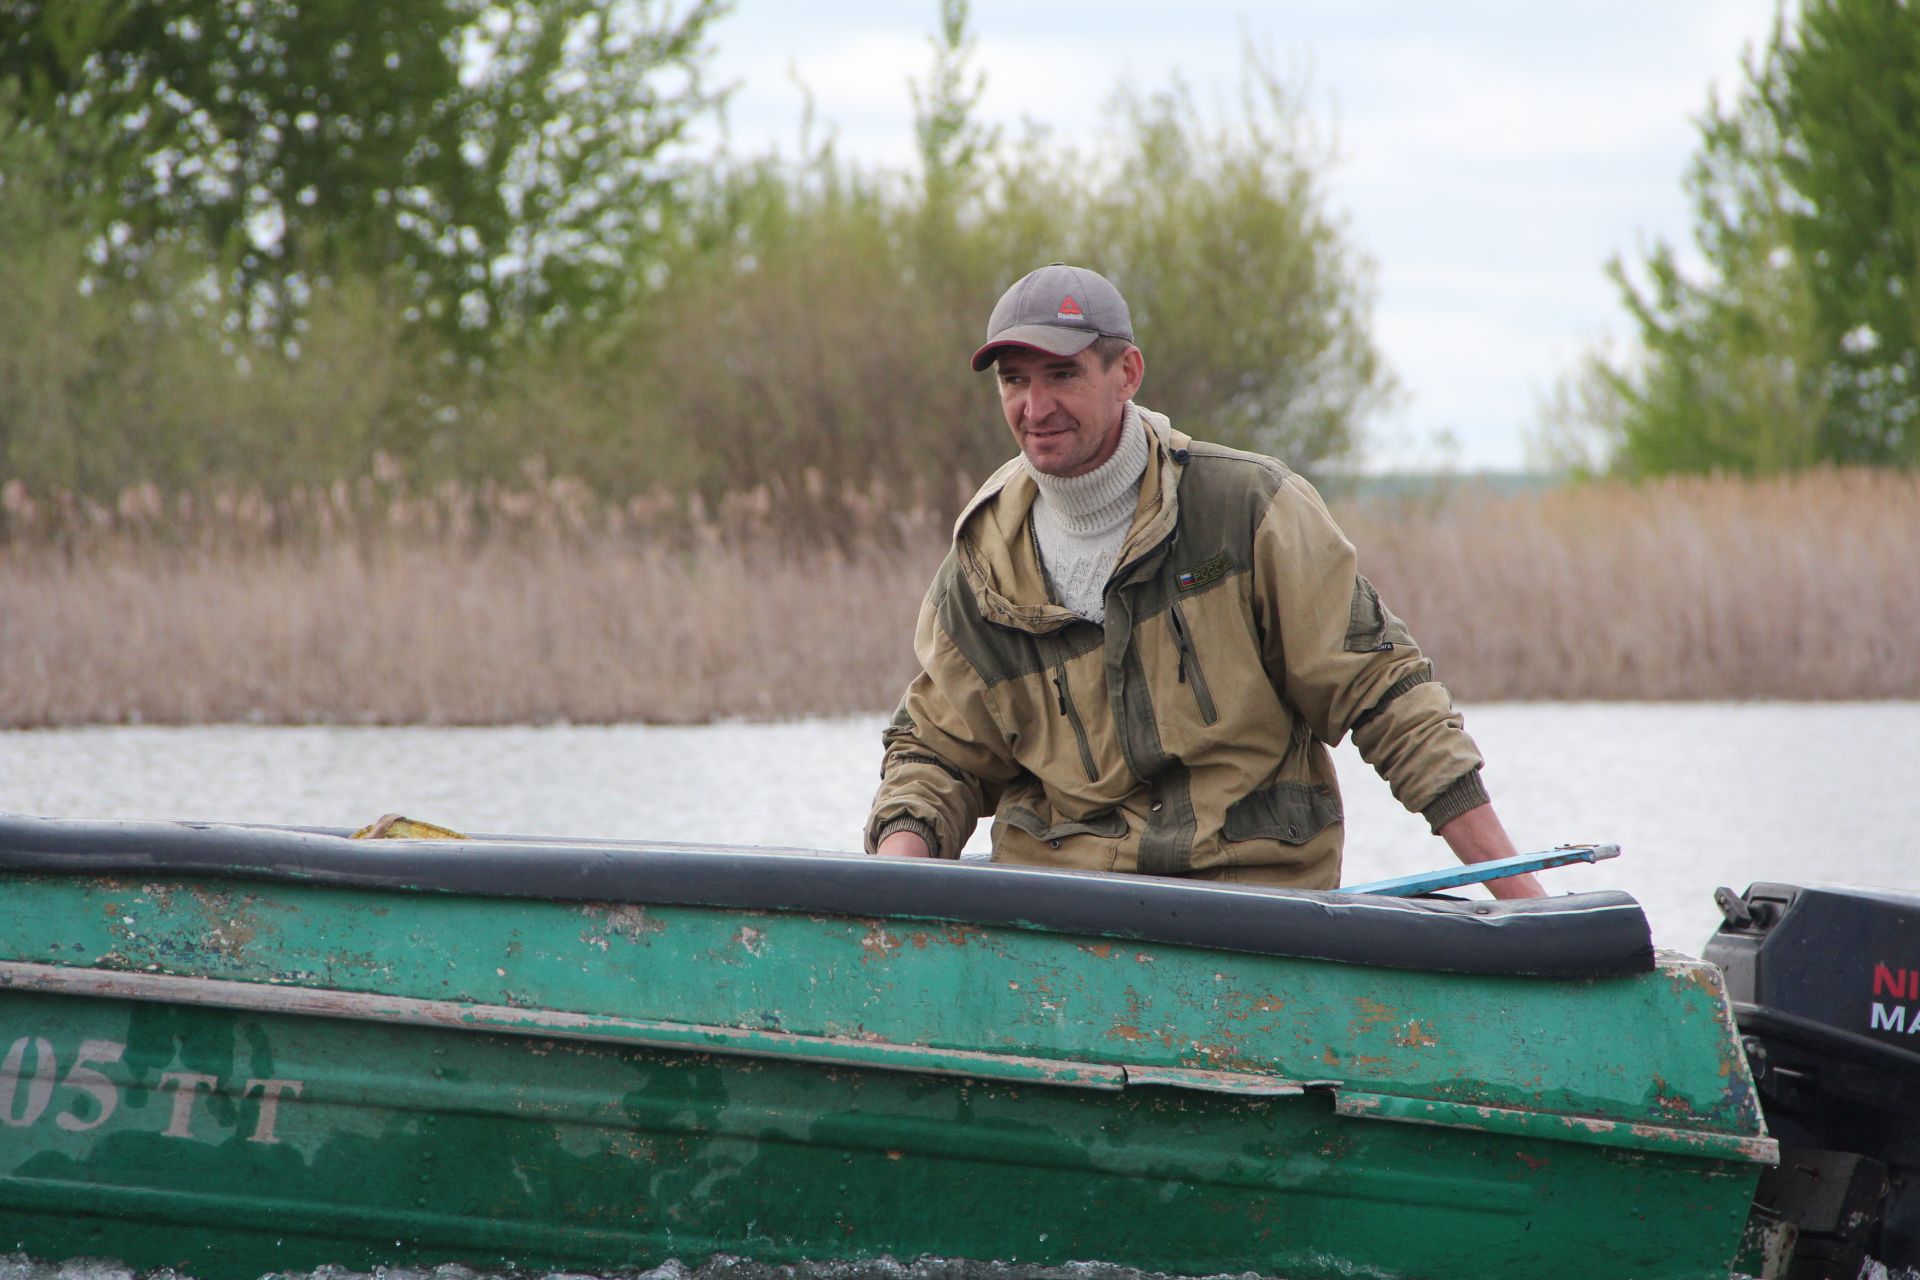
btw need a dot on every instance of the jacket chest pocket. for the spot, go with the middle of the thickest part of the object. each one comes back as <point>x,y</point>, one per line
<point>1063,698</point>
<point>1060,708</point>
<point>1188,670</point>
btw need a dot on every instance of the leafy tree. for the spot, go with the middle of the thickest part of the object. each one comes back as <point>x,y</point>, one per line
<point>952,142</point>
<point>1801,342</point>
<point>1253,307</point>
<point>800,326</point>
<point>1846,98</point>
<point>497,160</point>
<point>835,333</point>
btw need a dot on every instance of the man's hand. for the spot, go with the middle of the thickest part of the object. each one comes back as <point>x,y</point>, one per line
<point>908,844</point>
<point>1477,836</point>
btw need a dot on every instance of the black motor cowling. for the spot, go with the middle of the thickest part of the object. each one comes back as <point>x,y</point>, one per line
<point>1825,984</point>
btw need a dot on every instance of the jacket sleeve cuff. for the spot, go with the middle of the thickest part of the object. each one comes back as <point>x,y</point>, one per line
<point>1463,793</point>
<point>922,829</point>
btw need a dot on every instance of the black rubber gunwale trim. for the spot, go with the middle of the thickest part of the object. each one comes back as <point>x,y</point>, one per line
<point>1580,935</point>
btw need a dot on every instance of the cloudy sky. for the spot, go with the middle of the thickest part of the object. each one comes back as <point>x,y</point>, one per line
<point>1492,153</point>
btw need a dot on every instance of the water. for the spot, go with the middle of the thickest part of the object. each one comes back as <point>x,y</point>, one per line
<point>1697,795</point>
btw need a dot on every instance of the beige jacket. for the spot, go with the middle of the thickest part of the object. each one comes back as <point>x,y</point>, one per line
<point>1189,735</point>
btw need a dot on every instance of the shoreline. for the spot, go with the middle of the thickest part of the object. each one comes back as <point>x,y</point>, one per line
<point>878,716</point>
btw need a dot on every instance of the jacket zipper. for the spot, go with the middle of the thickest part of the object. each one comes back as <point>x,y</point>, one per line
<point>1072,713</point>
<point>1190,664</point>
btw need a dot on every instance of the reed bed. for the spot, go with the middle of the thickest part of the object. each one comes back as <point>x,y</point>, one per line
<point>1796,587</point>
<point>367,603</point>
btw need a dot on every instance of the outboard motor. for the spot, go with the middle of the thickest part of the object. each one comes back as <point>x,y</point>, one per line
<point>1825,984</point>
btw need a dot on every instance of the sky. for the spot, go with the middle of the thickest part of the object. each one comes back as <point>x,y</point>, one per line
<point>1491,155</point>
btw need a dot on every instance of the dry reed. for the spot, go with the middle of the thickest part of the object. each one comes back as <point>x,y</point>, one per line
<point>1803,586</point>
<point>367,604</point>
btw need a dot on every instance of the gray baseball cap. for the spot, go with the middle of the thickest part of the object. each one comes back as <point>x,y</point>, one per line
<point>1058,309</point>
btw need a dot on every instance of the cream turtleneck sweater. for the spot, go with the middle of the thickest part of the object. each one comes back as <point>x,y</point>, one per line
<point>1080,522</point>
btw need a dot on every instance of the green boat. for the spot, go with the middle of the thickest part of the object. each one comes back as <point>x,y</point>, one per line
<point>232,1050</point>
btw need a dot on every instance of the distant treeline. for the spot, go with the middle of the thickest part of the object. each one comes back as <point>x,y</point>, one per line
<point>251,247</point>
<point>250,244</point>
<point>369,602</point>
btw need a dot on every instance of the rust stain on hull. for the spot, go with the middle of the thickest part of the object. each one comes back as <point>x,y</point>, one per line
<point>878,943</point>
<point>1415,1035</point>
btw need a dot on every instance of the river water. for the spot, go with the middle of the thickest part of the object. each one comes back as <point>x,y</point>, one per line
<point>1696,795</point>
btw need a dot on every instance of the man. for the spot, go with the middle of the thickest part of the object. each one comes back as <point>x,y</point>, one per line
<point>1141,646</point>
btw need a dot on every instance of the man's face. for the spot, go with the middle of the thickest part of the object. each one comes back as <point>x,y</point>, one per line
<point>1065,411</point>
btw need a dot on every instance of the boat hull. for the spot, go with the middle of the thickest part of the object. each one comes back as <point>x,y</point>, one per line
<point>236,1075</point>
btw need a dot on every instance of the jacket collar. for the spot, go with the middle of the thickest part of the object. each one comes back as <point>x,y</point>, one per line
<point>994,545</point>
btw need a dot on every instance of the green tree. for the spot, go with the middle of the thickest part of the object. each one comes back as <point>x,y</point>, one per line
<point>1800,343</point>
<point>500,163</point>
<point>109,379</point>
<point>952,142</point>
<point>835,330</point>
<point>1253,306</point>
<point>802,326</point>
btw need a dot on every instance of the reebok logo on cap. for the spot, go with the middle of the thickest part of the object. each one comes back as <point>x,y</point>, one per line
<point>1069,309</point>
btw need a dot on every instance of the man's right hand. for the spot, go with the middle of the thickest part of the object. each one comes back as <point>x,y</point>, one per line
<point>903,844</point>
